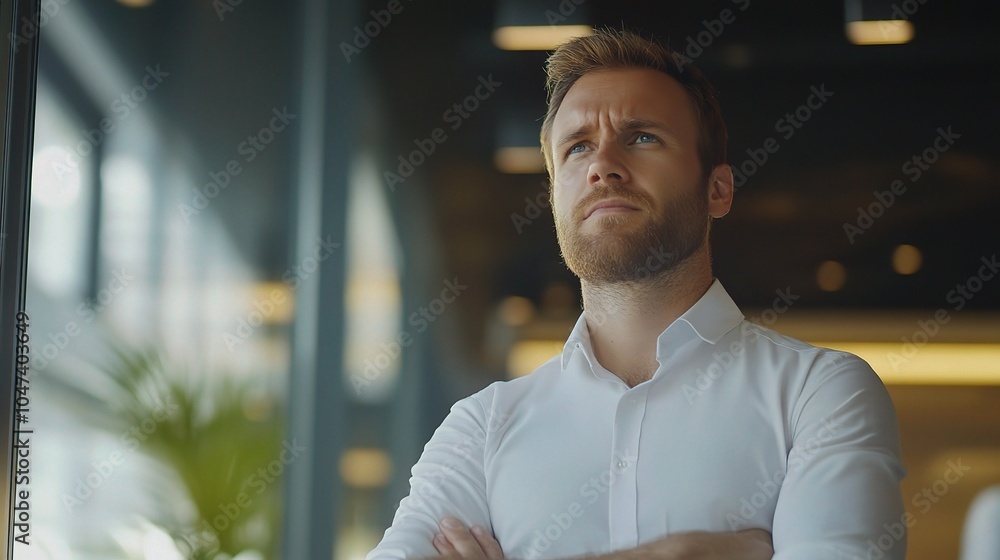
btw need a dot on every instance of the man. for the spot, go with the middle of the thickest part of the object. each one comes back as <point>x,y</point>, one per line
<point>669,427</point>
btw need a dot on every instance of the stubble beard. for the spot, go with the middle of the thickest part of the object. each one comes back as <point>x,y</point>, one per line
<point>619,251</point>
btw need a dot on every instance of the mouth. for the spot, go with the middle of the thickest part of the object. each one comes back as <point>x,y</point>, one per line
<point>610,206</point>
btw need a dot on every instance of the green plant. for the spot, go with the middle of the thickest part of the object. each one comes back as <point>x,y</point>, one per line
<point>219,433</point>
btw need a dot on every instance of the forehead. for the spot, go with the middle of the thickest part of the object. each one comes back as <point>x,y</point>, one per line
<point>615,95</point>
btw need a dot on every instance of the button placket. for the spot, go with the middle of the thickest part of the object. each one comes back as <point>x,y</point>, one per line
<point>623,490</point>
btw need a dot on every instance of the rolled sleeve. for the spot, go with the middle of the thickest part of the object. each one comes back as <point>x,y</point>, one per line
<point>448,480</point>
<point>841,498</point>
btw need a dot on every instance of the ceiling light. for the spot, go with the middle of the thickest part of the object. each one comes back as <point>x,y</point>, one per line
<point>830,276</point>
<point>519,159</point>
<point>881,32</point>
<point>523,25</point>
<point>517,145</point>
<point>537,37</point>
<point>875,22</point>
<point>906,259</point>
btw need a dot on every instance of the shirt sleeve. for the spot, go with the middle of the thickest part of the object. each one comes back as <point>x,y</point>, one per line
<point>448,480</point>
<point>980,538</point>
<point>840,498</point>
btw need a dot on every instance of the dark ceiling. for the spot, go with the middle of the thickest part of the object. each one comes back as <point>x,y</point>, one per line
<point>888,105</point>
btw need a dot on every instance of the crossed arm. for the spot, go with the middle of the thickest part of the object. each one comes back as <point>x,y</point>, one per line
<point>457,542</point>
<point>838,495</point>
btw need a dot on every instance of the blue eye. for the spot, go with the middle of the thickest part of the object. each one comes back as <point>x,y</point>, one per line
<point>644,137</point>
<point>574,150</point>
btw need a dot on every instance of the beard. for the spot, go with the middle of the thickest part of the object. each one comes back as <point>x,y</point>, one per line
<point>619,251</point>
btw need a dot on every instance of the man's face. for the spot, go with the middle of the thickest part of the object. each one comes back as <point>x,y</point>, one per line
<point>629,198</point>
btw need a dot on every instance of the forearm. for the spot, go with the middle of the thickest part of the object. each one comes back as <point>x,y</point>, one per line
<point>745,545</point>
<point>458,542</point>
<point>447,480</point>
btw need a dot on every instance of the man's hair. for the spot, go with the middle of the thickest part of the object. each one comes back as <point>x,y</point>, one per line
<point>609,49</point>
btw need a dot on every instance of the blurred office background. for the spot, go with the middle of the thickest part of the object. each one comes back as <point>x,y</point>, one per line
<point>258,227</point>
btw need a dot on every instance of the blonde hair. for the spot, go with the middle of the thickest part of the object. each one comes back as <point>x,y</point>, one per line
<point>610,49</point>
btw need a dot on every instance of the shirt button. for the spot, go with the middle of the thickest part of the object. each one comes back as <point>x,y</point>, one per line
<point>622,464</point>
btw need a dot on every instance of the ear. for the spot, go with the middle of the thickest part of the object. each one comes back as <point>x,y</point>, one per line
<point>720,190</point>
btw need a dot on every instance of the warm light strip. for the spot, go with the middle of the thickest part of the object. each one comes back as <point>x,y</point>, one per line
<point>942,363</point>
<point>883,32</point>
<point>537,37</point>
<point>897,363</point>
<point>526,355</point>
<point>519,160</point>
<point>365,467</point>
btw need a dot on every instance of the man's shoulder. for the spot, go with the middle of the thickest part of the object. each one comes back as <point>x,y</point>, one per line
<point>544,374</point>
<point>827,378</point>
<point>505,391</point>
<point>766,343</point>
<point>493,405</point>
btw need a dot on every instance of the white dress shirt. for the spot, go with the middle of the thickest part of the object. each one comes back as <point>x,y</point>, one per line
<point>980,535</point>
<point>739,427</point>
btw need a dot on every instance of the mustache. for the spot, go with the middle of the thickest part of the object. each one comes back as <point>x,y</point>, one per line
<point>602,192</point>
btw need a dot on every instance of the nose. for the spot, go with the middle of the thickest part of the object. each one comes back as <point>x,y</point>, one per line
<point>607,166</point>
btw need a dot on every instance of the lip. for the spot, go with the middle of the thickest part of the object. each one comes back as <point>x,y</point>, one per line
<point>616,203</point>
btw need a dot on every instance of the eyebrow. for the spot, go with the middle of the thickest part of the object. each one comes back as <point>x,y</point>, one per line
<point>637,124</point>
<point>625,125</point>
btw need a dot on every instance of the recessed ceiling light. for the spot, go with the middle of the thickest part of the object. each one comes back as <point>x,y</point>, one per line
<point>537,37</point>
<point>906,259</point>
<point>881,32</point>
<point>519,159</point>
<point>830,276</point>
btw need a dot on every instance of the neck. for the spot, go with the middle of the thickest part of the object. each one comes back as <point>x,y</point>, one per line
<point>626,318</point>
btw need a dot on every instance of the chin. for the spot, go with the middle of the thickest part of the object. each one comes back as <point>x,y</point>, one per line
<point>611,223</point>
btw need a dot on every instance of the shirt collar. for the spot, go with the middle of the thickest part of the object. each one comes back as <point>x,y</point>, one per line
<point>710,318</point>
